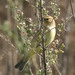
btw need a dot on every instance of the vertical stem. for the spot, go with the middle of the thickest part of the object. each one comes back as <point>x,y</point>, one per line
<point>71,7</point>
<point>43,46</point>
<point>37,14</point>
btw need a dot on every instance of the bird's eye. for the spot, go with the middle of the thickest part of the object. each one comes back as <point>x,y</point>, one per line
<point>47,19</point>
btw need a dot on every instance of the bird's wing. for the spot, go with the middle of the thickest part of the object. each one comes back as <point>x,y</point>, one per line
<point>36,39</point>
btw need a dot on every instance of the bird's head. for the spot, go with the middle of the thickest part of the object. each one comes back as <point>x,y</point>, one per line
<point>48,20</point>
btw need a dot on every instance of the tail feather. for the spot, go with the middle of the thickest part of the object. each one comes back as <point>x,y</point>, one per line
<point>20,65</point>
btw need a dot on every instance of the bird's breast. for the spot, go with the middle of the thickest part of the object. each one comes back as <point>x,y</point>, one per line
<point>50,35</point>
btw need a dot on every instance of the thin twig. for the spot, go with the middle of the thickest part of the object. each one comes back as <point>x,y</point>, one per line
<point>57,70</point>
<point>31,71</point>
<point>71,8</point>
<point>8,41</point>
<point>43,47</point>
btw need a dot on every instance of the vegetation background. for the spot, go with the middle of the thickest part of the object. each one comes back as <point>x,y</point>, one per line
<point>11,49</point>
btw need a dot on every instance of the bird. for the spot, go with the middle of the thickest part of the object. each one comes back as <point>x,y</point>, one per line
<point>36,43</point>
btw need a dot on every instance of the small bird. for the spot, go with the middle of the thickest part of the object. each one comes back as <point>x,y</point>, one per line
<point>36,43</point>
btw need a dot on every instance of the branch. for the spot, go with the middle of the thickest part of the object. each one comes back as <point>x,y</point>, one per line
<point>43,47</point>
<point>56,68</point>
<point>7,41</point>
<point>71,8</point>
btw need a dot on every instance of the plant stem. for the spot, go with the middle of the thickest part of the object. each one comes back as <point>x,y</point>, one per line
<point>71,7</point>
<point>43,46</point>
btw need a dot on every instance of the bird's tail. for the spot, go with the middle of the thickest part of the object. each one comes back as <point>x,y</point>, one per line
<point>20,65</point>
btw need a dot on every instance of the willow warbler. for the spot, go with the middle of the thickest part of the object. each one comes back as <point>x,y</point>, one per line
<point>36,44</point>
